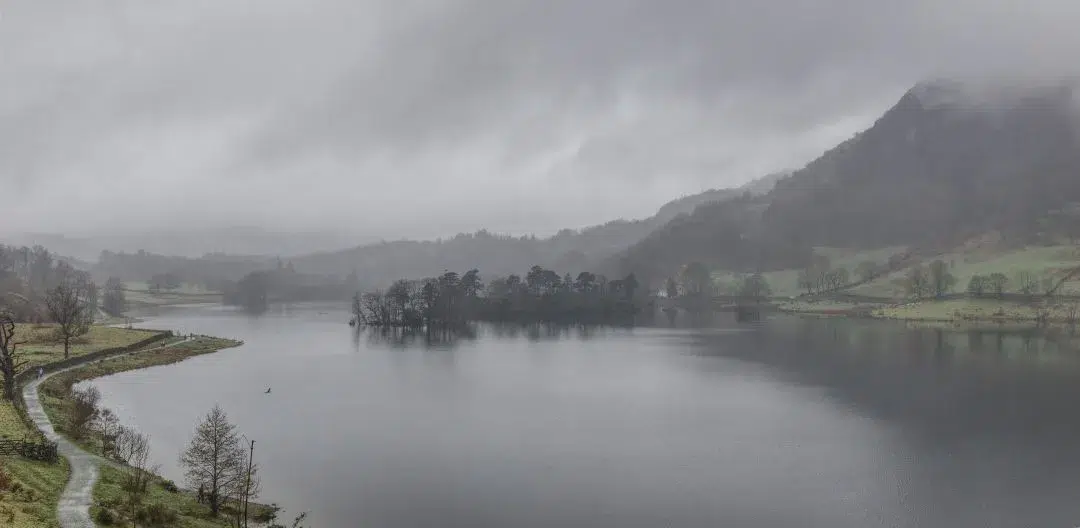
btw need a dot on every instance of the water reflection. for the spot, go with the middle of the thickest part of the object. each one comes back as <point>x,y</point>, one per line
<point>791,422</point>
<point>451,337</point>
<point>941,384</point>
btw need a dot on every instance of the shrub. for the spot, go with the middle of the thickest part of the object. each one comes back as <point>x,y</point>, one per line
<point>28,495</point>
<point>105,516</point>
<point>5,479</point>
<point>156,514</point>
<point>83,411</point>
<point>169,486</point>
<point>268,515</point>
<point>7,513</point>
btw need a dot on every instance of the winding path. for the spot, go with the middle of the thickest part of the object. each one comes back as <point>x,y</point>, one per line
<point>73,509</point>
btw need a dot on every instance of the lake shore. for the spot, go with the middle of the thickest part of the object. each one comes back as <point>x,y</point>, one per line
<point>953,310</point>
<point>48,480</point>
<point>108,491</point>
<point>41,483</point>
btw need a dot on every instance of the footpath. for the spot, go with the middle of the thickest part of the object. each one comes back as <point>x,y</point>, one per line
<point>73,509</point>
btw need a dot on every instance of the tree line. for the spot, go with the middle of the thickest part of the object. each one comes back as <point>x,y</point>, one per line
<point>695,280</point>
<point>257,289</point>
<point>541,295</point>
<point>935,281</point>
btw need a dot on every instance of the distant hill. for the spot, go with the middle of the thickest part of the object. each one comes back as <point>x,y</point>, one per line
<point>191,243</point>
<point>568,250</point>
<point>949,161</point>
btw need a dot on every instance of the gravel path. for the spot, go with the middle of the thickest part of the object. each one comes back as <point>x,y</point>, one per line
<point>74,507</point>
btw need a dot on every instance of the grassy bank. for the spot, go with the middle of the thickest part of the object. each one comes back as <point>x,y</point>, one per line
<point>110,496</point>
<point>983,310</point>
<point>824,307</point>
<point>30,500</point>
<point>967,310</point>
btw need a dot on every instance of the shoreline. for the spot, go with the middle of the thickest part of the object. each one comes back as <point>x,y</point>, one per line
<point>52,399</point>
<point>956,310</point>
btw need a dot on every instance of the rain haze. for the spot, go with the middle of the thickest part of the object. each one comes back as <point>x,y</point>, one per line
<point>418,119</point>
<point>506,263</point>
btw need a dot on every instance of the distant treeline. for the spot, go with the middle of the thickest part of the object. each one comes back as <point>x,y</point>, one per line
<point>542,295</point>
<point>256,290</point>
<point>31,277</point>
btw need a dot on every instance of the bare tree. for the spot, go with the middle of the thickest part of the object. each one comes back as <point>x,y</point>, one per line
<point>245,487</point>
<point>1048,286</point>
<point>113,301</point>
<point>978,285</point>
<point>69,311</point>
<point>940,281</point>
<point>109,427</point>
<point>10,361</point>
<point>214,459</point>
<point>137,456</point>
<point>1027,282</point>
<point>918,282</point>
<point>867,270</point>
<point>83,411</point>
<point>997,283</point>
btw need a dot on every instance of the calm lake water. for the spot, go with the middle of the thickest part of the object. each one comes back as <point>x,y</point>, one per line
<point>807,423</point>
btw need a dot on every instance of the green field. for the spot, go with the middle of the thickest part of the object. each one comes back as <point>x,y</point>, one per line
<point>138,293</point>
<point>784,283</point>
<point>851,258</point>
<point>42,347</point>
<point>1043,261</point>
<point>186,288</point>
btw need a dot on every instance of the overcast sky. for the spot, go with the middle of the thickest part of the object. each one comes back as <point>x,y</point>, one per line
<point>421,118</point>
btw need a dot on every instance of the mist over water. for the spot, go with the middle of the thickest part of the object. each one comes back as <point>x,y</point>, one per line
<point>787,423</point>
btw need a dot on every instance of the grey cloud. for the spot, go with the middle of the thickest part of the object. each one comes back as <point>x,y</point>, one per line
<point>421,118</point>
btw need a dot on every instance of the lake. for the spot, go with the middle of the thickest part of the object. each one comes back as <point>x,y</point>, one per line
<point>790,422</point>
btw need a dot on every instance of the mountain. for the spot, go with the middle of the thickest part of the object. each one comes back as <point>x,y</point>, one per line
<point>949,161</point>
<point>568,250</point>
